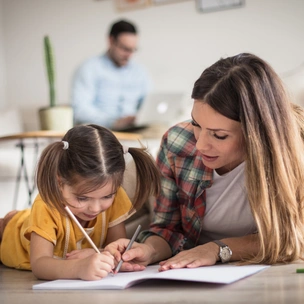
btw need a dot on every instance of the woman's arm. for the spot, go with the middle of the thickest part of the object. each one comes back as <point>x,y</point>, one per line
<point>243,247</point>
<point>44,266</point>
<point>159,249</point>
<point>207,254</point>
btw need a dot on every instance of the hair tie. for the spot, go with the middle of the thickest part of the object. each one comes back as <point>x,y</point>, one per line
<point>65,145</point>
<point>125,149</point>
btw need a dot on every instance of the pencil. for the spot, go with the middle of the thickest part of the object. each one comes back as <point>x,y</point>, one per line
<point>128,247</point>
<point>81,228</point>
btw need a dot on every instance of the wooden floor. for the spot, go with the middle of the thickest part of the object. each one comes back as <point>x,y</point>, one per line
<point>277,284</point>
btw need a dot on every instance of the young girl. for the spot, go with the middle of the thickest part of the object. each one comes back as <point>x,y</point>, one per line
<point>84,171</point>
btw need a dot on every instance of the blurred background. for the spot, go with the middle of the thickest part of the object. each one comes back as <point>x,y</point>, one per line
<point>177,41</point>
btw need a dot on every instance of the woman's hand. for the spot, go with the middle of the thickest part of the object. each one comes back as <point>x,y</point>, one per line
<point>203,255</point>
<point>95,267</point>
<point>134,259</point>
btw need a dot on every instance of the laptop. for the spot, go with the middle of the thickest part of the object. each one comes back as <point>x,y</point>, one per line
<point>157,108</point>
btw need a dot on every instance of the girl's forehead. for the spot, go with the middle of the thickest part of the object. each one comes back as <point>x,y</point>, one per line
<point>89,185</point>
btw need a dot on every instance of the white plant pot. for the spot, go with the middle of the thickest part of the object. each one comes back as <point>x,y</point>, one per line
<point>59,118</point>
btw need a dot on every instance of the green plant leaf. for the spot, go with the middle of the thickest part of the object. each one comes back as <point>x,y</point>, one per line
<point>50,68</point>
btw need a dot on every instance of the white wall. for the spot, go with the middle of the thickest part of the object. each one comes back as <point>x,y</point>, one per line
<point>2,67</point>
<point>177,42</point>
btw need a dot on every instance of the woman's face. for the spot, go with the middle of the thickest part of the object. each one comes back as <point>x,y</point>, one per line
<point>219,138</point>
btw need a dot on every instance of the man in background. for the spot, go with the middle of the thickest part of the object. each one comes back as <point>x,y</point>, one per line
<point>108,89</point>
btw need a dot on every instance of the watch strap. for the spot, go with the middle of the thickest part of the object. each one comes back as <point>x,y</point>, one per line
<point>223,248</point>
<point>221,244</point>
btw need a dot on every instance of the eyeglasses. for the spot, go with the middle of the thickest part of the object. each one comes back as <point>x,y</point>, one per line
<point>125,48</point>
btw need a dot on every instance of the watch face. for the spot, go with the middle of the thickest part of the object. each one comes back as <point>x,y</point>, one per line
<point>225,254</point>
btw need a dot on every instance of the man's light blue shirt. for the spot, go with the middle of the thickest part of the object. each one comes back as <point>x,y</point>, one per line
<point>103,92</point>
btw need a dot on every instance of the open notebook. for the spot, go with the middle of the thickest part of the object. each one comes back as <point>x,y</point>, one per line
<point>221,274</point>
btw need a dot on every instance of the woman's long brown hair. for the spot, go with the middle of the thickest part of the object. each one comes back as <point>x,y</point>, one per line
<point>246,89</point>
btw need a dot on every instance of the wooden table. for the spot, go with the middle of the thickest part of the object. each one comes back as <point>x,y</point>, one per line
<point>277,284</point>
<point>60,134</point>
<point>35,136</point>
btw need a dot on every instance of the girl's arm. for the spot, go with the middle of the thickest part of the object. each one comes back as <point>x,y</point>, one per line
<point>115,233</point>
<point>44,266</point>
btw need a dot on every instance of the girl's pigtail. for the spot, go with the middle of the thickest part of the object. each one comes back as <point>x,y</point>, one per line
<point>47,175</point>
<point>148,176</point>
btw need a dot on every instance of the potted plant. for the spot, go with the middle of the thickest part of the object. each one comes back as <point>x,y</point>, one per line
<point>53,117</point>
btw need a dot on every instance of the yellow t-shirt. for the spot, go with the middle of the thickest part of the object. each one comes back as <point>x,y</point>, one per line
<point>59,229</point>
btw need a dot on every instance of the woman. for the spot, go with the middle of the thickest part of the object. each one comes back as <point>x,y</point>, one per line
<point>232,184</point>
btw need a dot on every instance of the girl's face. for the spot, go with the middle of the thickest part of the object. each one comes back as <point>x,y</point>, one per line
<point>219,138</point>
<point>87,206</point>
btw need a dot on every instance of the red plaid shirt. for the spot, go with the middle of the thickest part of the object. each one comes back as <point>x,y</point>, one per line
<point>179,209</point>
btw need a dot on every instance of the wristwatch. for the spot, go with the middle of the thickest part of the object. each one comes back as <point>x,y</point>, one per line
<point>225,252</point>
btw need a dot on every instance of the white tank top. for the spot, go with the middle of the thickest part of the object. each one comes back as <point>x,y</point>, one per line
<point>228,211</point>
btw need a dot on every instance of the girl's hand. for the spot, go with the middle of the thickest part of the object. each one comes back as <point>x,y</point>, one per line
<point>80,254</point>
<point>203,255</point>
<point>134,259</point>
<point>95,267</point>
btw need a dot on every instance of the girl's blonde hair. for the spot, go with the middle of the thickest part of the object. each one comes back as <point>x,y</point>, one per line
<point>93,157</point>
<point>246,89</point>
